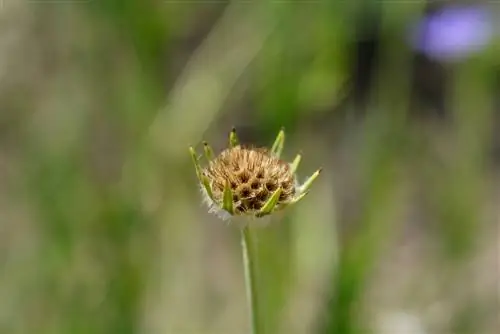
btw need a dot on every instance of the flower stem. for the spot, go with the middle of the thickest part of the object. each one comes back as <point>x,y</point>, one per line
<point>250,266</point>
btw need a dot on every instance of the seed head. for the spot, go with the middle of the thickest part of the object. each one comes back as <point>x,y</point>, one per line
<point>253,176</point>
<point>245,181</point>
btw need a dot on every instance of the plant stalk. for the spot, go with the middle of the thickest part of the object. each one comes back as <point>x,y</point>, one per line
<point>250,266</point>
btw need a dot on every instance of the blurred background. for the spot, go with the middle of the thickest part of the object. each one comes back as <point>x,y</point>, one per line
<point>102,229</point>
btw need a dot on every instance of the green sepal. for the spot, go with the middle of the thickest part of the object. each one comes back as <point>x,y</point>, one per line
<point>227,201</point>
<point>206,184</point>
<point>279,143</point>
<point>301,196</point>
<point>209,153</point>
<point>233,138</point>
<point>195,159</point>
<point>295,164</point>
<point>270,204</point>
<point>305,187</point>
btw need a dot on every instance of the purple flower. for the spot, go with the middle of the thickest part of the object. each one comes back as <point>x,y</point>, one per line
<point>454,32</point>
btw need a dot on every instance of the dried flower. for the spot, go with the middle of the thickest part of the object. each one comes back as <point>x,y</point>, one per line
<point>245,181</point>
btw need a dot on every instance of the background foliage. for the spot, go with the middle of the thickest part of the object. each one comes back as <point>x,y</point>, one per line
<point>102,230</point>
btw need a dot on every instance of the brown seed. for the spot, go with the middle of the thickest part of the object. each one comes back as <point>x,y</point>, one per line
<point>244,192</point>
<point>271,186</point>
<point>263,196</point>
<point>255,184</point>
<point>254,204</point>
<point>244,176</point>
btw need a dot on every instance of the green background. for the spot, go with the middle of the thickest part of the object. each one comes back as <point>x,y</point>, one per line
<point>102,225</point>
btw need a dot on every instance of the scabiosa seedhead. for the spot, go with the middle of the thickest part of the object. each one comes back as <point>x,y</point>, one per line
<point>246,181</point>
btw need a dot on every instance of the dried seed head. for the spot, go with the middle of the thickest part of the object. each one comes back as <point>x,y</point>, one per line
<point>253,175</point>
<point>244,181</point>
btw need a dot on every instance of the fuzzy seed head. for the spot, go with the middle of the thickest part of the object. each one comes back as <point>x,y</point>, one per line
<point>249,182</point>
<point>253,176</point>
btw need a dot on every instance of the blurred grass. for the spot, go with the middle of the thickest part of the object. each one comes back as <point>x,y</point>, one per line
<point>102,227</point>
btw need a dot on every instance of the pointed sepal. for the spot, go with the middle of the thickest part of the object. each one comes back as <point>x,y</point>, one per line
<point>227,199</point>
<point>279,143</point>
<point>233,138</point>
<point>206,184</point>
<point>301,196</point>
<point>196,162</point>
<point>307,185</point>
<point>295,164</point>
<point>209,153</point>
<point>270,204</point>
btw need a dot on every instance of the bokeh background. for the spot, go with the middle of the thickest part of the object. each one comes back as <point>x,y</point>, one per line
<point>102,229</point>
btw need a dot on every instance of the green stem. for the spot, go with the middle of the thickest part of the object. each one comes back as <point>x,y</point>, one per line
<point>250,266</point>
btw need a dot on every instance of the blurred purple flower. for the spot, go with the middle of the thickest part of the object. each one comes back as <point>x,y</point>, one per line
<point>454,32</point>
